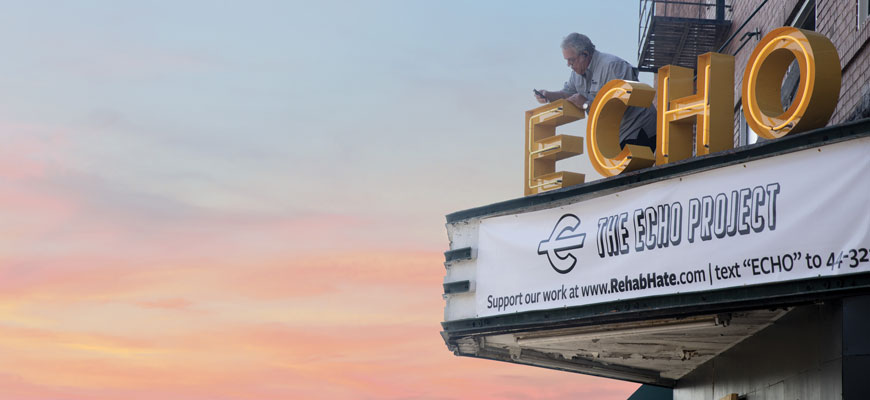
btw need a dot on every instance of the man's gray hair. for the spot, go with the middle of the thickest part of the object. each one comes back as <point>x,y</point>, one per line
<point>578,42</point>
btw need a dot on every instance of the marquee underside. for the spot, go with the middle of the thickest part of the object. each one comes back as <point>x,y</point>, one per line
<point>654,351</point>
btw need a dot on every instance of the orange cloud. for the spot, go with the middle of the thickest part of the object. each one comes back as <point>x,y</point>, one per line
<point>168,304</point>
<point>106,293</point>
<point>168,342</point>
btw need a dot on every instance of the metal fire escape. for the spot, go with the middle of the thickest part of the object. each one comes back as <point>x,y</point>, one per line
<point>675,32</point>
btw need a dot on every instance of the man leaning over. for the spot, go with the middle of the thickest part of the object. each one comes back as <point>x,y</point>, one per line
<point>592,69</point>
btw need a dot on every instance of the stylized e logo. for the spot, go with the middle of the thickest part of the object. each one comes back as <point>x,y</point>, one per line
<point>564,238</point>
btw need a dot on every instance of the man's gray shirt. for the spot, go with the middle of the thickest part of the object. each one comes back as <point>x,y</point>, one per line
<point>602,69</point>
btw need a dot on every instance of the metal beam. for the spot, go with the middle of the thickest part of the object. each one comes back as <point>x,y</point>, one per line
<point>777,295</point>
<point>578,365</point>
<point>457,255</point>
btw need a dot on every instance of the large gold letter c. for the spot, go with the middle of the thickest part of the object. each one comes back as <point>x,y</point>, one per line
<point>602,129</point>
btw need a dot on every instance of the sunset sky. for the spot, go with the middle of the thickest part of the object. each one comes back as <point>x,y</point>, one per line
<point>245,200</point>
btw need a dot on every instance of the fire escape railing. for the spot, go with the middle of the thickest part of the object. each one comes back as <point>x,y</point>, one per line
<point>648,10</point>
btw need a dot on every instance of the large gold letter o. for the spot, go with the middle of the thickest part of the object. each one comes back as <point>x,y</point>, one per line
<point>817,93</point>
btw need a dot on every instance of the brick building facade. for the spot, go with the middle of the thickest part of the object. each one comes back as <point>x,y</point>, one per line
<point>845,22</point>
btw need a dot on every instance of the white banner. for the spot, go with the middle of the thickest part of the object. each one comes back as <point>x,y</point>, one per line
<point>799,215</point>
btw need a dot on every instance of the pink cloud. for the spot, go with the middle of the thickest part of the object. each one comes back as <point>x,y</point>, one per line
<point>186,353</point>
<point>167,304</point>
<point>107,293</point>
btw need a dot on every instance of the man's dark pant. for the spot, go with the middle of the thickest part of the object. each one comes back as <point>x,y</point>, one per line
<point>641,139</point>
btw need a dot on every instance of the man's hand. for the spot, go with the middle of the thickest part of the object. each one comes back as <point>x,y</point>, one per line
<point>542,99</point>
<point>577,100</point>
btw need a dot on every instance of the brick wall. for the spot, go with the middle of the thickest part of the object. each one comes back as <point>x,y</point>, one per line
<point>836,19</point>
<point>687,10</point>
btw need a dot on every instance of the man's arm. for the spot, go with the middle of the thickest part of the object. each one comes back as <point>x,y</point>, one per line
<point>551,96</point>
<point>568,92</point>
<point>575,98</point>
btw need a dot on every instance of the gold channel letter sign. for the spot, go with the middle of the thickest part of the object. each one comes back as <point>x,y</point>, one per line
<point>544,147</point>
<point>684,103</point>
